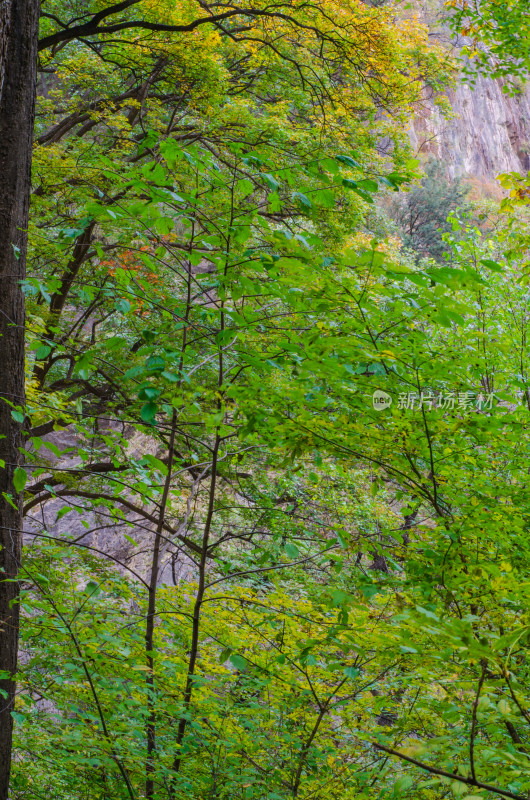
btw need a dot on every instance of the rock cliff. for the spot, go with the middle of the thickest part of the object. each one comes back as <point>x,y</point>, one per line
<point>490,132</point>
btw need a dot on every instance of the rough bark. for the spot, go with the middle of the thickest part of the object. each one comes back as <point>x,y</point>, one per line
<point>18,62</point>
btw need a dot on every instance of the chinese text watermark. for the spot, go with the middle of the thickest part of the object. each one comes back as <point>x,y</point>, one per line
<point>446,400</point>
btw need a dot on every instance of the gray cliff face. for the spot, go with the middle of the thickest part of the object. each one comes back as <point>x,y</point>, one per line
<point>490,133</point>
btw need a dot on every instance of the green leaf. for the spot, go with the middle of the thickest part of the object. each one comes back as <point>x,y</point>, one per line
<point>155,463</point>
<point>148,411</point>
<point>92,589</point>
<point>271,182</point>
<point>115,343</point>
<point>42,352</point>
<point>351,672</point>
<point>238,661</point>
<point>324,198</point>
<point>9,499</point>
<point>291,550</point>
<point>493,265</point>
<point>369,185</point>
<point>224,655</point>
<point>149,393</point>
<point>245,186</point>
<point>19,479</point>
<point>303,199</point>
<point>134,372</point>
<point>349,161</point>
<point>354,186</point>
<point>83,365</point>
<point>403,784</point>
<point>504,707</point>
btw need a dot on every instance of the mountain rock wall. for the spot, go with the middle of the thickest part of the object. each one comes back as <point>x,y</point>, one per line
<point>489,134</point>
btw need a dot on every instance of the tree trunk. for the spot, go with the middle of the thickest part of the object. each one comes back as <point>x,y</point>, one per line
<point>18,62</point>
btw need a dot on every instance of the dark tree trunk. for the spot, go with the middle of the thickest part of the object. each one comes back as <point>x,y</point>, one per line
<point>18,62</point>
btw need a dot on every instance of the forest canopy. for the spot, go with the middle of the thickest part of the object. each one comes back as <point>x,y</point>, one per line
<point>264,407</point>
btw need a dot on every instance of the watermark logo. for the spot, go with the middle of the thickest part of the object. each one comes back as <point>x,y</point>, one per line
<point>430,401</point>
<point>460,401</point>
<point>381,400</point>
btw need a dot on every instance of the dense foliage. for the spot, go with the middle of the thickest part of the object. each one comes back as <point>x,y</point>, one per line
<point>497,36</point>
<point>275,480</point>
<point>423,213</point>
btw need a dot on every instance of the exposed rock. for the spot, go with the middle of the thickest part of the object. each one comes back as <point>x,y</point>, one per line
<point>490,133</point>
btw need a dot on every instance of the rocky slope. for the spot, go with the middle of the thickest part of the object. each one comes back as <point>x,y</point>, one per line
<point>490,132</point>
